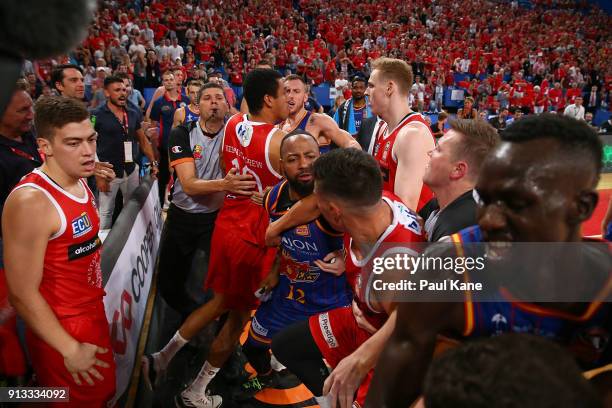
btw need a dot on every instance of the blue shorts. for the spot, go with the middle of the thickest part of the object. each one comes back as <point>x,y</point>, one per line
<point>270,319</point>
<point>608,235</point>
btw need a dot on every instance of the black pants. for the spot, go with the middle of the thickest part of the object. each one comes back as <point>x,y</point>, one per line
<point>184,233</point>
<point>295,348</point>
<point>163,177</point>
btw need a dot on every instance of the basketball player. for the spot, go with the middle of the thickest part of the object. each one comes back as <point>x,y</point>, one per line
<point>251,145</point>
<point>348,188</point>
<point>321,126</point>
<point>190,112</point>
<point>538,185</point>
<point>401,147</point>
<point>52,258</point>
<point>309,278</point>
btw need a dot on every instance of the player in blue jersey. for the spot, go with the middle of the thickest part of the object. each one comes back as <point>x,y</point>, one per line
<point>321,126</point>
<point>307,278</point>
<point>191,111</point>
<point>538,185</point>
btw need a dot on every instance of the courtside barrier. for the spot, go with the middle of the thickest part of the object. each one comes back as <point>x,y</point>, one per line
<point>128,262</point>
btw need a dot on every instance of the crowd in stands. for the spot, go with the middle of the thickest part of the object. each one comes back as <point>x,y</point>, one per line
<point>503,55</point>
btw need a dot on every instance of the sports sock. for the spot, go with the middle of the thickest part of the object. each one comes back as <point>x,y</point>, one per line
<point>166,354</point>
<point>205,376</point>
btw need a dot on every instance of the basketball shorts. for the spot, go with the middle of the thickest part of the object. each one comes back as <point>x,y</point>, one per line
<point>337,335</point>
<point>237,268</point>
<point>49,365</point>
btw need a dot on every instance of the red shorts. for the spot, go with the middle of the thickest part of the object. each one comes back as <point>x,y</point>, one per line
<point>236,268</point>
<point>12,359</point>
<point>49,365</point>
<point>337,335</point>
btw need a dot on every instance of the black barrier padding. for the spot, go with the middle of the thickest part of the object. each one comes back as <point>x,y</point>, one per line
<point>116,239</point>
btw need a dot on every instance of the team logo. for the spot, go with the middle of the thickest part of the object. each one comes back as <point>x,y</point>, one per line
<point>81,225</point>
<point>177,149</point>
<point>84,248</point>
<point>376,149</point>
<point>500,322</point>
<point>244,131</point>
<point>386,151</point>
<point>197,152</point>
<point>258,328</point>
<point>302,230</point>
<point>407,218</point>
<point>297,271</point>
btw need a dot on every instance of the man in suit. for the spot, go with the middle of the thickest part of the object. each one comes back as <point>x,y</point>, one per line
<point>592,99</point>
<point>367,133</point>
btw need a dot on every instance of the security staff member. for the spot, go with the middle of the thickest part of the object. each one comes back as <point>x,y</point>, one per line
<point>119,131</point>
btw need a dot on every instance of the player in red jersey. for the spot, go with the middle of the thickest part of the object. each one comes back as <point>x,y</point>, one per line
<point>402,145</point>
<point>251,144</point>
<point>52,257</point>
<point>348,188</point>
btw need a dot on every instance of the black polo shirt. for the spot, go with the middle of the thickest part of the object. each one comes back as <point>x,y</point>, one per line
<point>16,160</point>
<point>459,214</point>
<point>112,134</point>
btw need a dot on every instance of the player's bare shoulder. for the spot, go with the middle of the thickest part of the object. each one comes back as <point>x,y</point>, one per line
<point>32,206</point>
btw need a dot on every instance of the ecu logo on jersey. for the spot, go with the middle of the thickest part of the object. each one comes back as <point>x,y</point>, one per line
<point>81,225</point>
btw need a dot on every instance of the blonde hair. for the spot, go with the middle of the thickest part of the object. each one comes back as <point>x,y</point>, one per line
<point>395,70</point>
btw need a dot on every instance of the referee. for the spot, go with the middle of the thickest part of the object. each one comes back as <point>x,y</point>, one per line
<point>196,196</point>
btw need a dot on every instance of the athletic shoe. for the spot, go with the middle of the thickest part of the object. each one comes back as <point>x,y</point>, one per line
<point>251,387</point>
<point>151,372</point>
<point>189,399</point>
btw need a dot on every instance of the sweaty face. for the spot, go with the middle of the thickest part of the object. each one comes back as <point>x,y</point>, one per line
<point>116,93</point>
<point>376,92</point>
<point>213,104</point>
<point>524,195</point>
<point>441,161</point>
<point>72,85</point>
<point>19,114</point>
<point>73,148</point>
<point>298,154</point>
<point>295,92</point>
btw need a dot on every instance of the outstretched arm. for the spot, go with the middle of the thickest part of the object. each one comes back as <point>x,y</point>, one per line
<point>329,129</point>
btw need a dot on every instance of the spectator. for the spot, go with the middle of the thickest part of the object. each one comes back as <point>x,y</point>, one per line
<point>162,115</point>
<point>500,121</point>
<point>67,79</point>
<point>351,112</point>
<point>119,130</point>
<point>438,128</point>
<point>575,110</point>
<point>451,174</point>
<point>468,111</point>
<point>593,100</point>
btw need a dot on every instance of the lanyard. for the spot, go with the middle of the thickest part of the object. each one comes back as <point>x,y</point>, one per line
<point>23,154</point>
<point>125,124</point>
